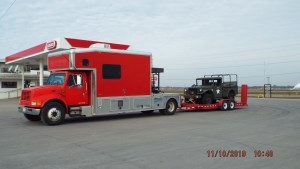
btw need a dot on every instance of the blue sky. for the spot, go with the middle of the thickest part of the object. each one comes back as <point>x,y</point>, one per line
<point>253,39</point>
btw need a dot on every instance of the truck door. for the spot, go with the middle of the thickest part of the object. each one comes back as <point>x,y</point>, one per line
<point>76,90</point>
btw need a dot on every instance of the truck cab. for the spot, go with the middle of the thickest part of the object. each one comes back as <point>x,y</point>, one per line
<point>62,88</point>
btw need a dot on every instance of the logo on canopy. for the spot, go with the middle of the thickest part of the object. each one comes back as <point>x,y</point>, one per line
<point>51,45</point>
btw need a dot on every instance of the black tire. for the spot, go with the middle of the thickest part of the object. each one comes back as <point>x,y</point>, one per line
<point>231,105</point>
<point>32,117</point>
<point>53,114</point>
<point>170,109</point>
<point>224,106</point>
<point>207,98</point>
<point>231,95</point>
<point>148,112</point>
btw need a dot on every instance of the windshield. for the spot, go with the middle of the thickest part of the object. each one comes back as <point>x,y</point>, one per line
<point>56,79</point>
<point>199,82</point>
<point>208,82</point>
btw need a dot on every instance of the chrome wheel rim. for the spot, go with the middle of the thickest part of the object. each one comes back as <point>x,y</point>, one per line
<point>225,106</point>
<point>54,114</point>
<point>171,107</point>
<point>231,105</point>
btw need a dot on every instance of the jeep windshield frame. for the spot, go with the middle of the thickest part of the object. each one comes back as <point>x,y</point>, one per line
<point>229,79</point>
<point>208,81</point>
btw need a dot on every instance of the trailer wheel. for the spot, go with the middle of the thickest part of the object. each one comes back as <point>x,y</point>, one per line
<point>224,105</point>
<point>53,114</point>
<point>207,98</point>
<point>231,105</point>
<point>32,117</point>
<point>170,109</point>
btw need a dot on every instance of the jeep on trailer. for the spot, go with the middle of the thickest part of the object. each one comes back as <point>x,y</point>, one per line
<point>211,88</point>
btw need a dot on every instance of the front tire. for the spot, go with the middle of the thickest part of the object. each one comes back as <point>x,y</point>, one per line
<point>170,109</point>
<point>32,117</point>
<point>208,98</point>
<point>53,114</point>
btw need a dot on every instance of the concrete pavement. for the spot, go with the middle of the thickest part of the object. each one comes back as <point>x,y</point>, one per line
<point>135,141</point>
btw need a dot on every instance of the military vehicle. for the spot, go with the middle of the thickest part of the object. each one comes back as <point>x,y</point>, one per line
<point>211,88</point>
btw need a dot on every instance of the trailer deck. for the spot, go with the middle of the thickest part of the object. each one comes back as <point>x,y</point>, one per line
<point>223,104</point>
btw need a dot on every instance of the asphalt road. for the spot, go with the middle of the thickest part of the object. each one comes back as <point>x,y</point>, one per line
<point>136,141</point>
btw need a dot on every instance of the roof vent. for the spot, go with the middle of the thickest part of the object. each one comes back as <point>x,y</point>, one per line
<point>100,45</point>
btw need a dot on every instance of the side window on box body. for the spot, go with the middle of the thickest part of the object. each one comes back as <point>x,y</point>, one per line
<point>111,71</point>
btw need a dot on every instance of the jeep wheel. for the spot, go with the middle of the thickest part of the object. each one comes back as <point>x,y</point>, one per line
<point>207,98</point>
<point>231,95</point>
<point>53,113</point>
<point>32,117</point>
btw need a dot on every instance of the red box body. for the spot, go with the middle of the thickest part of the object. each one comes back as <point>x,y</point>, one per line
<point>135,71</point>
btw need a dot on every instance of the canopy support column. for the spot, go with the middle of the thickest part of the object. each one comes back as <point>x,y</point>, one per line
<point>41,72</point>
<point>23,78</point>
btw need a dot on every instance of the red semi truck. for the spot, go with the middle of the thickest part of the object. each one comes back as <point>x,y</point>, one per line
<point>96,81</point>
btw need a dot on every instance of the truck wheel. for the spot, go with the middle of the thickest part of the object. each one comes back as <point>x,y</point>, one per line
<point>207,98</point>
<point>170,109</point>
<point>224,105</point>
<point>32,117</point>
<point>231,105</point>
<point>53,113</point>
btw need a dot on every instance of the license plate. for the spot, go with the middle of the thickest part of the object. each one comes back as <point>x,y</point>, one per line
<point>24,109</point>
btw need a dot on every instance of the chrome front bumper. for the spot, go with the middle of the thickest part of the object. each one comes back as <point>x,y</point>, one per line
<point>28,110</point>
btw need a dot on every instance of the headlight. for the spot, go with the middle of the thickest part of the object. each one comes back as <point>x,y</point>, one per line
<point>200,90</point>
<point>36,103</point>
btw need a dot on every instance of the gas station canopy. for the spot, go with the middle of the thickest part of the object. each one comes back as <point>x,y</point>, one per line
<point>36,57</point>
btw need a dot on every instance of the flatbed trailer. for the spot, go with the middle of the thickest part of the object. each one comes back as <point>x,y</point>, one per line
<point>223,104</point>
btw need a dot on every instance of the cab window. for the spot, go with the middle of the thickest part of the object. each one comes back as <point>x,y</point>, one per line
<point>74,80</point>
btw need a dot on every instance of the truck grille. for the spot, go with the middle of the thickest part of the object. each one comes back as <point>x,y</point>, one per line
<point>25,95</point>
<point>191,91</point>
